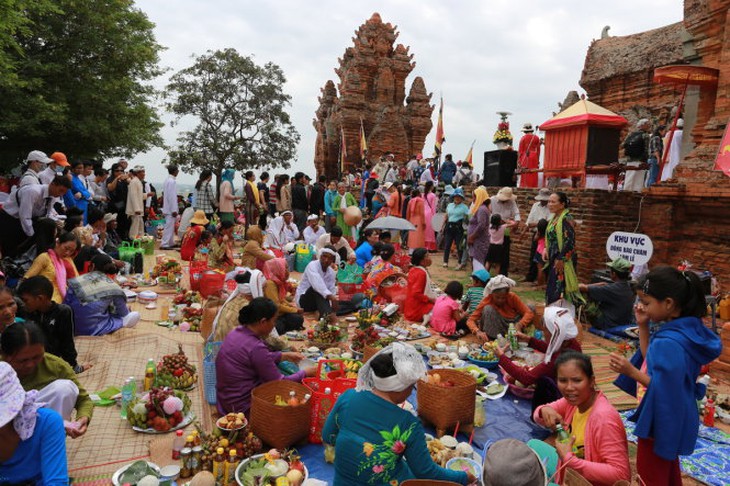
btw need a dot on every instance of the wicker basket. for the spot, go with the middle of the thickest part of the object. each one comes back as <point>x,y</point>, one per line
<point>368,352</point>
<point>279,427</point>
<point>444,407</point>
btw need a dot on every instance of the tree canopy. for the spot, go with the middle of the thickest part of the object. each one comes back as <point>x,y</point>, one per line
<point>239,107</point>
<point>75,78</point>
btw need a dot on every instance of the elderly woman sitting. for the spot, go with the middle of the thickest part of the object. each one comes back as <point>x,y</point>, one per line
<point>498,309</point>
<point>360,420</point>
<point>32,439</point>
<point>282,231</point>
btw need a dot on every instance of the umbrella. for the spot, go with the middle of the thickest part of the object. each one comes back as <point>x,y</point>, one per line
<point>391,223</point>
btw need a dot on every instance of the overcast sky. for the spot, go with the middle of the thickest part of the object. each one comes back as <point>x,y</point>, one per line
<point>483,56</point>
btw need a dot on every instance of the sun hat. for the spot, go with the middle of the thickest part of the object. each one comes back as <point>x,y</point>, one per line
<point>109,217</point>
<point>448,189</point>
<point>38,156</point>
<point>527,128</point>
<point>458,192</point>
<point>508,459</point>
<point>482,275</point>
<point>543,194</point>
<point>505,194</point>
<point>60,159</point>
<point>620,265</point>
<point>199,218</point>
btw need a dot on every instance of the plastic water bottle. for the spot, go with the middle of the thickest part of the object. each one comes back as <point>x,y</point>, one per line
<point>512,336</point>
<point>129,389</point>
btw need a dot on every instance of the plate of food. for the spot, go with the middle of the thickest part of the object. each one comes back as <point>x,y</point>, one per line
<point>516,388</point>
<point>134,472</point>
<point>494,390</point>
<point>484,359</point>
<point>296,336</point>
<point>437,360</point>
<point>231,422</point>
<point>481,375</point>
<point>264,469</point>
<point>187,419</point>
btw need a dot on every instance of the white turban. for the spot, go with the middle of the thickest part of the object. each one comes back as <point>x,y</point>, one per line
<point>498,282</point>
<point>561,324</point>
<point>409,368</point>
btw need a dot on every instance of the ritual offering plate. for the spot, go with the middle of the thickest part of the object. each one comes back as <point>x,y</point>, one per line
<point>264,469</point>
<point>484,359</point>
<point>448,448</point>
<point>232,422</point>
<point>133,473</point>
<point>296,335</point>
<point>159,411</point>
<point>186,420</point>
<point>438,360</point>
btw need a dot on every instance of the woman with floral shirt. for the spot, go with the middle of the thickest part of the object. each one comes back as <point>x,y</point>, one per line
<point>376,441</point>
<point>562,280</point>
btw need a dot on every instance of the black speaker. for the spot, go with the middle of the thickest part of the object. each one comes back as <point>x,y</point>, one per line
<point>499,168</point>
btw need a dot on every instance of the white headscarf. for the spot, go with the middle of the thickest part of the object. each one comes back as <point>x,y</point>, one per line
<point>498,282</point>
<point>409,368</point>
<point>561,325</point>
<point>16,404</point>
<point>254,287</point>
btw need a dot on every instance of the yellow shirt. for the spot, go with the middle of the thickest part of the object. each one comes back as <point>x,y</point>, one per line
<point>43,265</point>
<point>578,430</point>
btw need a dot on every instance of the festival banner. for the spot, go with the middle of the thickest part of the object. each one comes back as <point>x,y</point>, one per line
<point>440,130</point>
<point>468,158</point>
<point>722,161</point>
<point>363,143</point>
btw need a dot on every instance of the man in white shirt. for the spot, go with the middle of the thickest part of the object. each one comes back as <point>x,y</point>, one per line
<point>37,162</point>
<point>426,175</point>
<point>54,168</point>
<point>135,202</point>
<point>340,245</point>
<point>169,208</point>
<point>313,230</point>
<point>318,286</point>
<point>25,205</point>
<point>504,203</point>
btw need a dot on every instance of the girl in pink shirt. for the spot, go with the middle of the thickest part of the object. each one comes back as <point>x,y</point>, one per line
<point>447,316</point>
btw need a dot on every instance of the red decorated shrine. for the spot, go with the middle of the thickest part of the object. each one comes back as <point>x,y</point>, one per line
<point>582,137</point>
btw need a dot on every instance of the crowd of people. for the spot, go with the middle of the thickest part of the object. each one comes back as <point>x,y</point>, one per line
<point>69,230</point>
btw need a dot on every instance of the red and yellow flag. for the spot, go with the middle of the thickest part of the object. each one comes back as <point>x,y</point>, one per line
<point>722,161</point>
<point>440,130</point>
<point>343,150</point>
<point>468,158</point>
<point>363,142</point>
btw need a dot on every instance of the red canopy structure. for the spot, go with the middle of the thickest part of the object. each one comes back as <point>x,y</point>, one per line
<point>579,137</point>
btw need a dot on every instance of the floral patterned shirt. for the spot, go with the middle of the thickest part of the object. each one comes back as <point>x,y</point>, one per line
<point>377,442</point>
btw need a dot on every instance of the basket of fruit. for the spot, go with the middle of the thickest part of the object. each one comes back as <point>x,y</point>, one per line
<point>325,335</point>
<point>446,398</point>
<point>160,410</point>
<point>485,359</point>
<point>174,371</point>
<point>277,416</point>
<point>245,443</point>
<point>231,422</point>
<point>267,469</point>
<point>193,316</point>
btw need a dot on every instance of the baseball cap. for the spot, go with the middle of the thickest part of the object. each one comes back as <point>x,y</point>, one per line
<point>60,159</point>
<point>37,155</point>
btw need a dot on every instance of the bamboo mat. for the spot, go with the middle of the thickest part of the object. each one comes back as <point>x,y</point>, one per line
<point>599,350</point>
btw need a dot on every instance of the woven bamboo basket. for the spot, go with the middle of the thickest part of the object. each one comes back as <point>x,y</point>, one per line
<point>444,407</point>
<point>368,352</point>
<point>280,427</point>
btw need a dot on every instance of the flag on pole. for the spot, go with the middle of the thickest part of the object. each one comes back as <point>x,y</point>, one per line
<point>468,158</point>
<point>363,143</point>
<point>440,130</point>
<point>343,150</point>
<point>722,161</point>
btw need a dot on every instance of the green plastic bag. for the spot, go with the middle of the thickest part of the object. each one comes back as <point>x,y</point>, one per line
<point>350,273</point>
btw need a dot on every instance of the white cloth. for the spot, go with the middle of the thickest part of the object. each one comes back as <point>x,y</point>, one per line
<point>278,234</point>
<point>538,212</point>
<point>561,325</point>
<point>131,319</point>
<point>136,226</point>
<point>311,237</point>
<point>409,368</point>
<point>147,199</point>
<point>322,281</point>
<point>507,209</point>
<point>325,240</point>
<point>634,179</point>
<point>47,175</point>
<point>168,234</point>
<point>30,177</point>
<point>464,175</point>
<point>60,395</point>
<point>597,181</point>
<point>169,196</point>
<point>34,203</point>
<point>498,282</point>
<point>675,154</point>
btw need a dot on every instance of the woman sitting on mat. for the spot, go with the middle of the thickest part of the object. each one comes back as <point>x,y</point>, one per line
<point>56,264</point>
<point>22,347</point>
<point>32,439</point>
<point>278,289</point>
<point>245,362</point>
<point>499,308</point>
<point>597,449</point>
<point>376,441</point>
<point>254,255</point>
<point>420,295</point>
<point>221,248</point>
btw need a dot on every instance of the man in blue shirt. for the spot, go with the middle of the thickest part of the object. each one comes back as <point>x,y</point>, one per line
<point>448,170</point>
<point>330,218</point>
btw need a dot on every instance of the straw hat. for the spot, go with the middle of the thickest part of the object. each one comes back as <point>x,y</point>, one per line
<point>12,394</point>
<point>505,194</point>
<point>543,194</point>
<point>199,218</point>
<point>109,217</point>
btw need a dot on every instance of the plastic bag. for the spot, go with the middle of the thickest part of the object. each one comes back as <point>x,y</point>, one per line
<point>350,273</point>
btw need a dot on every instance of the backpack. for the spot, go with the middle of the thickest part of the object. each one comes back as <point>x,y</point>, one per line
<point>634,145</point>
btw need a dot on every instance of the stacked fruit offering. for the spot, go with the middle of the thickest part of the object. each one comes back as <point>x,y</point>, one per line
<point>176,372</point>
<point>161,409</point>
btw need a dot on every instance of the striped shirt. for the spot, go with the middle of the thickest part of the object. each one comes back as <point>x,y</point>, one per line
<point>472,297</point>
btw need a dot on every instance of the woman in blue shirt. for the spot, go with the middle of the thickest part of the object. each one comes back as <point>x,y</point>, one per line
<point>364,252</point>
<point>456,213</point>
<point>376,441</point>
<point>32,439</point>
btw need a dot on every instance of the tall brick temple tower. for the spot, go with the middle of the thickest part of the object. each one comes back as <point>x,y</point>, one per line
<point>372,88</point>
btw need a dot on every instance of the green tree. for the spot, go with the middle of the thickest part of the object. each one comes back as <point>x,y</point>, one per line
<point>240,110</point>
<point>77,81</point>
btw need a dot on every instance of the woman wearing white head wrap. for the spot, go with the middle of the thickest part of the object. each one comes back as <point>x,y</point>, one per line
<point>499,308</point>
<point>32,439</point>
<point>249,285</point>
<point>560,332</point>
<point>376,441</point>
